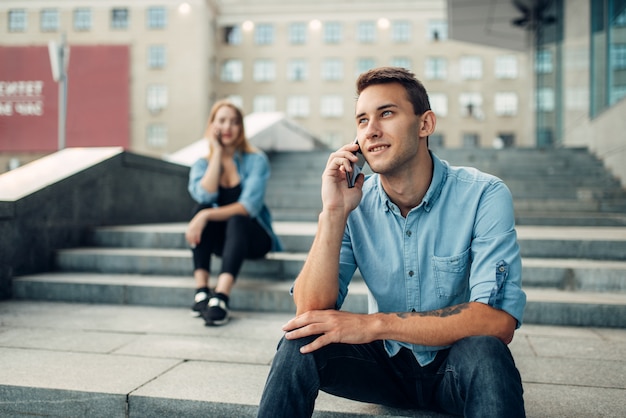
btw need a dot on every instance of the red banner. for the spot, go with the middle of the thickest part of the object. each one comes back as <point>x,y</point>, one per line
<point>98,98</point>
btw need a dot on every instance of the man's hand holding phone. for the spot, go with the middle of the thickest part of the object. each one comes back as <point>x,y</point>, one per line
<point>351,176</point>
<point>342,181</point>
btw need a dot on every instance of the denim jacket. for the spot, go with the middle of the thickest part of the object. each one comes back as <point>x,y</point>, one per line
<point>458,245</point>
<point>254,171</point>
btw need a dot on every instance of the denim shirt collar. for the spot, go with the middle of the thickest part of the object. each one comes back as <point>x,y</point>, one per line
<point>437,182</point>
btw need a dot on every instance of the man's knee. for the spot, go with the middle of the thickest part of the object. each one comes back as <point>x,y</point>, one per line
<point>288,352</point>
<point>484,355</point>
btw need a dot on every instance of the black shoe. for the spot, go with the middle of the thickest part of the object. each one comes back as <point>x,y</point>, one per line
<point>217,310</point>
<point>201,299</point>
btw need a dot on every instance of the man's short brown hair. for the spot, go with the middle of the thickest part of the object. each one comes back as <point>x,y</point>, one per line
<point>416,93</point>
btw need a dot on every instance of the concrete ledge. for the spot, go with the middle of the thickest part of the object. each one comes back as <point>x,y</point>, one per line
<point>51,203</point>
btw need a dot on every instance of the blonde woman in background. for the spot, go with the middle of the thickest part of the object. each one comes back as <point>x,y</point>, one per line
<point>231,219</point>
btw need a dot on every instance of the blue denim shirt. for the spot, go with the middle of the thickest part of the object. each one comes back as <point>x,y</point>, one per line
<point>458,245</point>
<point>254,171</point>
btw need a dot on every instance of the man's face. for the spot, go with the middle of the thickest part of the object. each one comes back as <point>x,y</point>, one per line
<point>387,128</point>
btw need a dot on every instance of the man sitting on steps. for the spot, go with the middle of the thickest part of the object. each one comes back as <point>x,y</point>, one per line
<point>436,246</point>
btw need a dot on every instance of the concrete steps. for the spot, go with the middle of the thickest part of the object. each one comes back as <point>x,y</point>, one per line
<point>109,334</point>
<point>573,275</point>
<point>566,186</point>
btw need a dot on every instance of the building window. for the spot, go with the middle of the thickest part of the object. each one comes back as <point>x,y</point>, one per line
<point>332,138</point>
<point>504,140</point>
<point>157,135</point>
<point>618,57</point>
<point>439,103</point>
<point>82,19</point>
<point>506,66</point>
<point>620,19</point>
<point>471,68</point>
<point>331,106</point>
<point>298,106</point>
<point>156,18</point>
<point>264,103</point>
<point>505,104</point>
<point>576,98</point>
<point>366,32</point>
<point>17,20</point>
<point>607,54</point>
<point>264,34</point>
<point>156,98</point>
<point>403,62</point>
<point>119,18</point>
<point>436,68</point>
<point>297,33</point>
<point>471,140</point>
<point>545,137</point>
<point>156,56</point>
<point>545,99</point>
<point>232,71</point>
<point>364,64</point>
<point>471,105</point>
<point>235,99</point>
<point>332,69</point>
<point>49,20</point>
<point>297,69</point>
<point>264,70</point>
<point>543,62</point>
<point>401,31</point>
<point>436,141</point>
<point>437,30</point>
<point>232,35</point>
<point>332,32</point>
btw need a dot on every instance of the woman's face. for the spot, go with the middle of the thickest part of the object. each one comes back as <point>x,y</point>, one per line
<point>226,125</point>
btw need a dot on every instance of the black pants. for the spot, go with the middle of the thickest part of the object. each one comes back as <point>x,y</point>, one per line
<point>234,240</point>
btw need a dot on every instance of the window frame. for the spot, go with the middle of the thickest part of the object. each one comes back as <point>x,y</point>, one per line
<point>82,19</point>
<point>17,20</point>
<point>49,20</point>
<point>156,18</point>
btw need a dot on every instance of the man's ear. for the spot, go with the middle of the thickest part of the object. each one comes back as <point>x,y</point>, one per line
<point>428,121</point>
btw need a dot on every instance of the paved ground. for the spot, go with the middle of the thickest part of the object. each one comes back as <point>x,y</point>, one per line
<point>59,359</point>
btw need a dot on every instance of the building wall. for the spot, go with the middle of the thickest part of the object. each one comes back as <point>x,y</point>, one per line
<point>195,52</point>
<point>339,130</point>
<point>189,47</point>
<point>603,134</point>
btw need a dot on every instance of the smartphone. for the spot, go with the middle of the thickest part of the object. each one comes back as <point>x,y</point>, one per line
<point>356,168</point>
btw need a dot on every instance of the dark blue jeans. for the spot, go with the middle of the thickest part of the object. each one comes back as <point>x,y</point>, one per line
<point>476,377</point>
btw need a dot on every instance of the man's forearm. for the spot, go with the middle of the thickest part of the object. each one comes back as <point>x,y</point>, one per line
<point>445,326</point>
<point>317,285</point>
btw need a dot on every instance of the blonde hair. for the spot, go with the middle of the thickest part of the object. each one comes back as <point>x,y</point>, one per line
<point>241,143</point>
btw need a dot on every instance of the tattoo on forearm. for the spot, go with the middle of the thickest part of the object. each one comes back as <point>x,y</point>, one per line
<point>441,313</point>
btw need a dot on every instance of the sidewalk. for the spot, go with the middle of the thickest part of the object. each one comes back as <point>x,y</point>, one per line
<point>77,360</point>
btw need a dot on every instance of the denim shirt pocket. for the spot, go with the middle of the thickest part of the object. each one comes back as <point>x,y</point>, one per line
<point>451,274</point>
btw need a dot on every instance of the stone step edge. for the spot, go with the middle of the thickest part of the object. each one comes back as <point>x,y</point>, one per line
<point>301,256</point>
<point>545,306</point>
<point>307,228</point>
<point>357,287</point>
<point>150,400</point>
